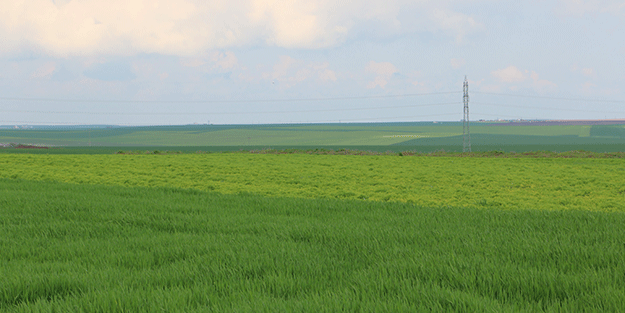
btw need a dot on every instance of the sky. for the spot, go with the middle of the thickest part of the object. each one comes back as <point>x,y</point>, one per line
<point>172,62</point>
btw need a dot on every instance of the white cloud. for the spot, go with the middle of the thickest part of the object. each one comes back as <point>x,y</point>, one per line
<point>476,83</point>
<point>588,87</point>
<point>295,24</point>
<point>610,91</point>
<point>45,70</point>
<point>193,62</point>
<point>582,7</point>
<point>384,69</point>
<point>289,72</point>
<point>589,72</point>
<point>281,68</point>
<point>92,27</point>
<point>458,24</point>
<point>324,73</point>
<point>490,88</point>
<point>510,74</point>
<point>383,72</point>
<point>191,27</point>
<point>542,85</point>
<point>224,60</point>
<point>457,63</point>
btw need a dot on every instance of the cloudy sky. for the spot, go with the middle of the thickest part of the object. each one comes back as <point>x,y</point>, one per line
<point>153,62</point>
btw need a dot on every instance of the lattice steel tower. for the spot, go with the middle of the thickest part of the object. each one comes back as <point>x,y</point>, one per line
<point>466,136</point>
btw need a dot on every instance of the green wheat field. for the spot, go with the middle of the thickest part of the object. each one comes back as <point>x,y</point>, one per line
<point>124,228</point>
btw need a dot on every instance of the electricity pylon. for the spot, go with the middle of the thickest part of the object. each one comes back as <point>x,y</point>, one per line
<point>466,136</point>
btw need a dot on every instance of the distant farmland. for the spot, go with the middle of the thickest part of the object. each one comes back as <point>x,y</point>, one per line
<point>418,136</point>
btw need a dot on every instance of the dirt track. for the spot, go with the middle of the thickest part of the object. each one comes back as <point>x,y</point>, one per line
<point>30,147</point>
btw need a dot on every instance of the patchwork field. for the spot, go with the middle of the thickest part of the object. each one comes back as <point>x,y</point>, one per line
<point>296,232</point>
<point>425,137</point>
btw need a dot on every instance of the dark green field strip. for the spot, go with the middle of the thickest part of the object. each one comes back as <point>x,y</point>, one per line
<point>617,131</point>
<point>520,140</point>
<point>113,249</point>
<point>518,143</point>
<point>67,134</point>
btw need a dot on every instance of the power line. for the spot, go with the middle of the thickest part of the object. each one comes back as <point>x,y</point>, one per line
<point>544,108</point>
<point>58,123</point>
<point>508,116</point>
<point>550,98</point>
<point>226,113</point>
<point>313,122</point>
<point>227,101</point>
<point>388,118</point>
